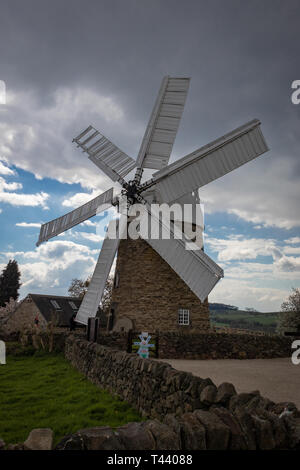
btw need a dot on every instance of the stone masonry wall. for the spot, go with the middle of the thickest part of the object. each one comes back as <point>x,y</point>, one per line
<point>209,345</point>
<point>115,340</point>
<point>186,412</point>
<point>223,346</point>
<point>23,317</point>
<point>150,293</point>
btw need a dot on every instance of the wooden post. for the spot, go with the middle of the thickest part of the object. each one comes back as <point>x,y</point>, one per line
<point>129,341</point>
<point>157,344</point>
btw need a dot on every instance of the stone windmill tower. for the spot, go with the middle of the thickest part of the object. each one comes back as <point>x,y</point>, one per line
<point>159,283</point>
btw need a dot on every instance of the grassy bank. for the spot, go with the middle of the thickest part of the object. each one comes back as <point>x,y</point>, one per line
<point>246,320</point>
<point>43,390</point>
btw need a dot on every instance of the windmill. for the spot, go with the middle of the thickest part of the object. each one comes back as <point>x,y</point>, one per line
<point>174,182</point>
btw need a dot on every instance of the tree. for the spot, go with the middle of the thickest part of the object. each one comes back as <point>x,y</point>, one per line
<point>289,317</point>
<point>8,309</point>
<point>107,294</point>
<point>78,287</point>
<point>9,282</point>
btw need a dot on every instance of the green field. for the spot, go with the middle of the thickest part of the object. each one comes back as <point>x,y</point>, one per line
<point>244,319</point>
<point>44,390</point>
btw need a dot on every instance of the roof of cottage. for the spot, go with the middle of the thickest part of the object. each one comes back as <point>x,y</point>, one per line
<point>62,306</point>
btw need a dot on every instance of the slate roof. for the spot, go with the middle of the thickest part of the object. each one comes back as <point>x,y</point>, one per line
<point>43,303</point>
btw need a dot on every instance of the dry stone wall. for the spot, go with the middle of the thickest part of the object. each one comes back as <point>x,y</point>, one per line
<point>183,412</point>
<point>209,345</point>
<point>186,412</point>
<point>223,346</point>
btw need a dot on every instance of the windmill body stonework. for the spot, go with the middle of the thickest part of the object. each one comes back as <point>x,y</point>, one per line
<point>148,295</point>
<point>161,283</point>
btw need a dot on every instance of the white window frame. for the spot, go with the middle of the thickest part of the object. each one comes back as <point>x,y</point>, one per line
<point>55,304</point>
<point>183,317</point>
<point>72,305</point>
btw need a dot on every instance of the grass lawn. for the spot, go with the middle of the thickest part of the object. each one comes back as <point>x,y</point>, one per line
<point>45,391</point>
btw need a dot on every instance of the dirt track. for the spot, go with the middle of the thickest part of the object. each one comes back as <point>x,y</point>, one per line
<point>277,379</point>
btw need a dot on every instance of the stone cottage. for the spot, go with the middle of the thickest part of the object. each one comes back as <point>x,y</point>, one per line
<point>46,308</point>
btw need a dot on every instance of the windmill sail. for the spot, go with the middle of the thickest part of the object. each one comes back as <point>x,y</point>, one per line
<point>210,162</point>
<point>90,303</point>
<point>162,128</point>
<point>106,155</point>
<point>75,217</point>
<point>194,267</point>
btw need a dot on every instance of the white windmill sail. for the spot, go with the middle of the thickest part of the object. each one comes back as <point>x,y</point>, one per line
<point>162,128</point>
<point>210,162</point>
<point>194,267</point>
<point>106,155</point>
<point>172,183</point>
<point>75,217</point>
<point>90,303</point>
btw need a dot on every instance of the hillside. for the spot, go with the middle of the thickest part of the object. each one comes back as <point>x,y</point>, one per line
<point>232,317</point>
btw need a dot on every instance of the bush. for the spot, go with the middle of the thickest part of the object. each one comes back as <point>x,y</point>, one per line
<point>289,317</point>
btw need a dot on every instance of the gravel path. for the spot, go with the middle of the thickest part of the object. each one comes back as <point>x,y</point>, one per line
<point>276,379</point>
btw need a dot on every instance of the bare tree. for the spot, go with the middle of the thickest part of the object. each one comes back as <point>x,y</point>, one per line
<point>289,317</point>
<point>8,309</point>
<point>78,287</point>
<point>107,294</point>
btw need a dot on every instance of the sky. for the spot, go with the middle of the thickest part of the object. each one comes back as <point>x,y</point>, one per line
<point>68,64</point>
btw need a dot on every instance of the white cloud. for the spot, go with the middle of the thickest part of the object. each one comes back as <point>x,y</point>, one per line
<point>38,137</point>
<point>263,192</point>
<point>28,224</point>
<point>288,264</point>
<point>251,283</point>
<point>32,200</point>
<point>51,267</point>
<point>291,250</point>
<point>89,223</point>
<point>19,199</point>
<point>241,293</point>
<point>92,237</point>
<point>293,240</point>
<point>237,248</point>
<point>262,272</point>
<point>79,199</point>
<point>4,186</point>
<point>5,170</point>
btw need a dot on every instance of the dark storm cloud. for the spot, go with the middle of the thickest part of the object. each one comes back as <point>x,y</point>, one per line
<point>237,52</point>
<point>69,63</point>
<point>242,57</point>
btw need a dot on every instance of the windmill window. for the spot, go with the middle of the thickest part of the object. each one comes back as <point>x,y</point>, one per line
<point>73,305</point>
<point>183,316</point>
<point>55,304</point>
<point>116,280</point>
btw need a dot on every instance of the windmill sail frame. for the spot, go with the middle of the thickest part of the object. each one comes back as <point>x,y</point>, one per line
<point>171,183</point>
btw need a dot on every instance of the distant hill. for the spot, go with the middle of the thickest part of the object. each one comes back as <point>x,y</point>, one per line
<point>230,316</point>
<point>216,306</point>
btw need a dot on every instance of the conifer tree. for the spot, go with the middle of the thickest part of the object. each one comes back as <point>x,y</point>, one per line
<point>9,282</point>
